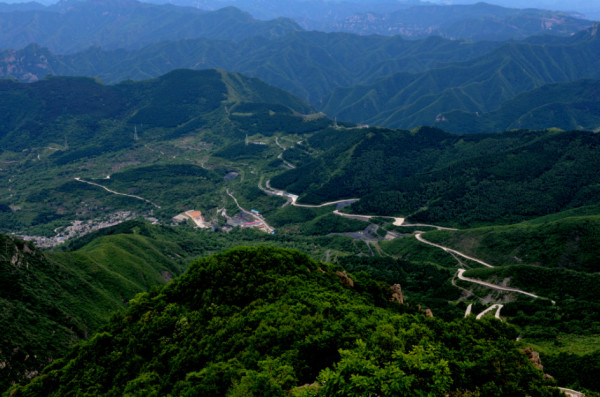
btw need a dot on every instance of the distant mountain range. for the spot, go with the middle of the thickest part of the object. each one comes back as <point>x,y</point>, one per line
<point>569,106</point>
<point>479,21</point>
<point>413,18</point>
<point>309,64</point>
<point>378,80</point>
<point>395,82</point>
<point>483,84</point>
<point>72,26</point>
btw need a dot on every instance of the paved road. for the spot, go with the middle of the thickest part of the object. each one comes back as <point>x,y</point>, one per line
<point>468,311</point>
<point>489,309</point>
<point>571,393</point>
<point>293,200</point>
<point>450,250</point>
<point>494,286</point>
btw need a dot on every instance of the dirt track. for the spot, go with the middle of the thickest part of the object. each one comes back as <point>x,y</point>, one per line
<point>117,193</point>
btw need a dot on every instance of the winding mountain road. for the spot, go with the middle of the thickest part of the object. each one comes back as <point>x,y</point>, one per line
<point>292,198</point>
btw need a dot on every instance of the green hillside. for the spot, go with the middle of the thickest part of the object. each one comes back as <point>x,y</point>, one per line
<point>483,84</point>
<point>51,300</point>
<point>434,177</point>
<point>83,110</point>
<point>219,330</point>
<point>568,106</point>
<point>139,147</point>
<point>570,243</point>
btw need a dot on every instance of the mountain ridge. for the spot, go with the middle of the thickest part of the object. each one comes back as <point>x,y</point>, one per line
<point>131,24</point>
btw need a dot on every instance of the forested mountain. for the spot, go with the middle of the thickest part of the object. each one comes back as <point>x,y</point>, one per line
<point>78,109</point>
<point>569,106</point>
<point>407,100</point>
<point>156,153</point>
<point>309,64</point>
<point>69,27</point>
<point>219,330</point>
<point>62,128</point>
<point>404,83</point>
<point>51,300</point>
<point>437,177</point>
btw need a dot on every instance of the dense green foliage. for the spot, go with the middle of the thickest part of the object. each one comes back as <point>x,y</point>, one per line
<point>422,284</point>
<point>568,106</point>
<point>219,330</point>
<point>432,176</point>
<point>580,372</point>
<point>331,223</point>
<point>51,300</point>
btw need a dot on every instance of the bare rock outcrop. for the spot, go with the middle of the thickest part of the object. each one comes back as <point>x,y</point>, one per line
<point>534,357</point>
<point>345,279</point>
<point>396,294</point>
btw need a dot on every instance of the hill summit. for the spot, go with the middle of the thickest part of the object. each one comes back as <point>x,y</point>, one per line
<point>266,321</point>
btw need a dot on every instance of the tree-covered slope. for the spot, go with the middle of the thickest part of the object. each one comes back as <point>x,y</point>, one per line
<point>68,27</point>
<point>84,111</point>
<point>51,300</point>
<point>267,321</point>
<point>569,106</point>
<point>309,64</point>
<point>570,242</point>
<point>407,100</point>
<point>432,176</point>
<point>74,149</point>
